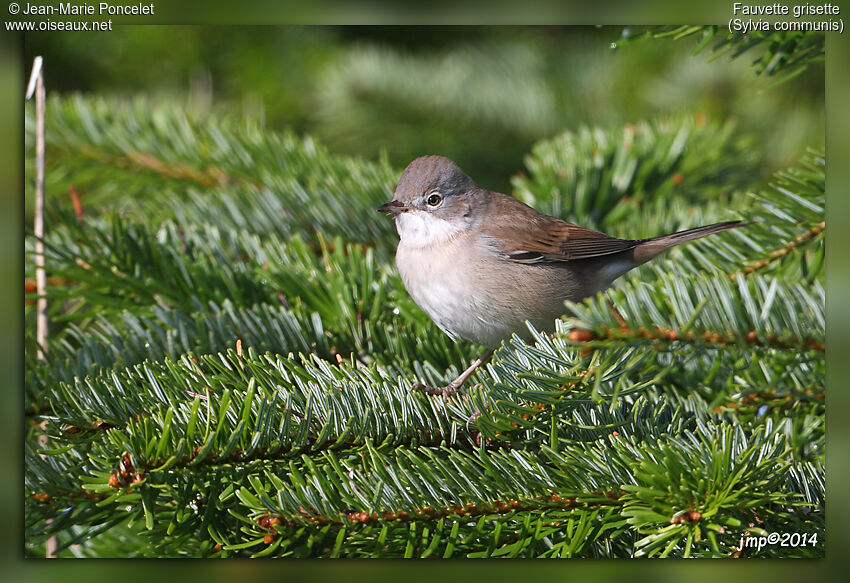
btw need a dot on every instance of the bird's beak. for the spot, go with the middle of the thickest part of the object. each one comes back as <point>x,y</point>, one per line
<point>393,207</point>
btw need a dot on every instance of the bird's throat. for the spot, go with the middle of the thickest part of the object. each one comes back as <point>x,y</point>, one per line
<point>420,229</point>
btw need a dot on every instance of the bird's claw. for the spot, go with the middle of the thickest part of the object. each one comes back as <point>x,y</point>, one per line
<point>472,418</point>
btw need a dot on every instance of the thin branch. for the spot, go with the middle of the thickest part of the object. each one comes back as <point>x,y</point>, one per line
<point>551,502</point>
<point>134,160</point>
<point>36,85</point>
<point>182,171</point>
<point>75,200</point>
<point>778,254</point>
<point>579,335</point>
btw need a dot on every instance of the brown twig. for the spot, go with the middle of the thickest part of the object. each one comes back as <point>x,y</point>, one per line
<point>550,502</point>
<point>778,254</point>
<point>754,338</point>
<point>75,200</point>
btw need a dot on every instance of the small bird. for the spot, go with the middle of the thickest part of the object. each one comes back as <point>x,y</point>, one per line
<point>482,263</point>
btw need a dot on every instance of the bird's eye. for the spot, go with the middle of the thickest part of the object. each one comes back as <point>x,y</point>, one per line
<point>434,199</point>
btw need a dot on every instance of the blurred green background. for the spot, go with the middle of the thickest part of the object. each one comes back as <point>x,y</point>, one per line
<point>480,95</point>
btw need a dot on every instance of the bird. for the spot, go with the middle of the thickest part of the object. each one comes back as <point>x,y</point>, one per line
<point>481,264</point>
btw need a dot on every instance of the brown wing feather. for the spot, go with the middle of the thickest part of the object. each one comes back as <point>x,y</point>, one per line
<point>527,236</point>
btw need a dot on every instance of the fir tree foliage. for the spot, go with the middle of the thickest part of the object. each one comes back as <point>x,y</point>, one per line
<point>605,177</point>
<point>232,352</point>
<point>783,53</point>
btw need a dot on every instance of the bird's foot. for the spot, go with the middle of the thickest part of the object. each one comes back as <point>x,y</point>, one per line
<point>445,392</point>
<point>472,419</point>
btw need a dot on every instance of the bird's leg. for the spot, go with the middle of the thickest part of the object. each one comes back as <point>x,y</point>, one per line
<point>451,388</point>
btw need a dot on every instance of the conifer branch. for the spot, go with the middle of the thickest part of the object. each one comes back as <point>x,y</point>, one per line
<point>783,53</point>
<point>240,381</point>
<point>659,336</point>
<point>788,247</point>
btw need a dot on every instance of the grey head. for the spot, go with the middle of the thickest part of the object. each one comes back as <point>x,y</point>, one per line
<point>435,201</point>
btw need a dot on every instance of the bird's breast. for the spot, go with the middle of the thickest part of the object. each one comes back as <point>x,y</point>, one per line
<point>472,292</point>
<point>439,283</point>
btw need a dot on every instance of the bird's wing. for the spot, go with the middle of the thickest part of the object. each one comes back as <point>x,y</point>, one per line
<point>526,236</point>
<point>561,241</point>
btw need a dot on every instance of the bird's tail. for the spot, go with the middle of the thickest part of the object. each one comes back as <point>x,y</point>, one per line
<point>652,247</point>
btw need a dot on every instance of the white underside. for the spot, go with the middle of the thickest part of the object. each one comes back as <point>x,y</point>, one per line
<point>443,284</point>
